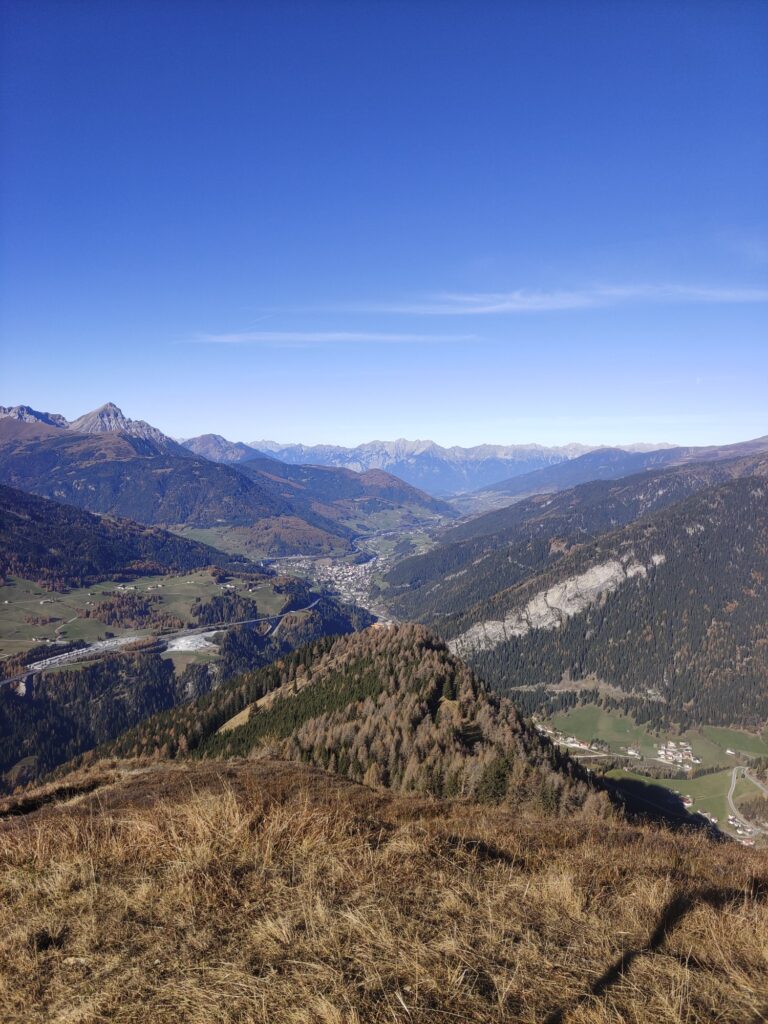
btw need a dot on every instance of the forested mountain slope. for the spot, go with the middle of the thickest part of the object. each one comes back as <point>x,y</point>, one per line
<point>59,714</point>
<point>490,553</point>
<point>388,706</point>
<point>63,546</point>
<point>675,604</point>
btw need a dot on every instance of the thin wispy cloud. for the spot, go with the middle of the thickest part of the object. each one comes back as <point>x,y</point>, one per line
<point>278,338</point>
<point>531,301</point>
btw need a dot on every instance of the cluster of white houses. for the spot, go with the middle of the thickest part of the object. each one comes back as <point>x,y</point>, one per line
<point>744,833</point>
<point>677,753</point>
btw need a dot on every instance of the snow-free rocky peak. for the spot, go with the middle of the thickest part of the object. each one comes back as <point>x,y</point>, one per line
<point>109,419</point>
<point>26,414</point>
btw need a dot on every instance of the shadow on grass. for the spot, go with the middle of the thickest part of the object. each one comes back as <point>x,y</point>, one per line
<point>657,803</point>
<point>28,804</point>
<point>673,913</point>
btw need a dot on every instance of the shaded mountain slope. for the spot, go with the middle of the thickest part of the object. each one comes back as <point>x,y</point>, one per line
<point>62,546</point>
<point>602,464</point>
<point>338,493</point>
<point>286,509</point>
<point>128,476</point>
<point>13,430</point>
<point>122,475</point>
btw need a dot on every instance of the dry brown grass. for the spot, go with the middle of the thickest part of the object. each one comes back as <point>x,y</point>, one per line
<point>261,892</point>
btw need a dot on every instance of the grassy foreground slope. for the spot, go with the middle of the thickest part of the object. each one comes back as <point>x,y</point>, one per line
<point>236,891</point>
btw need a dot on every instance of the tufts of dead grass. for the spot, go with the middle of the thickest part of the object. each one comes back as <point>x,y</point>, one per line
<point>260,892</point>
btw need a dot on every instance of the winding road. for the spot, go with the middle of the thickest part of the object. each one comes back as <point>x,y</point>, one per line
<point>740,770</point>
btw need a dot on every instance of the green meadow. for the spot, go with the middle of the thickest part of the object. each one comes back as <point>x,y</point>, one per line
<point>709,743</point>
<point>23,601</point>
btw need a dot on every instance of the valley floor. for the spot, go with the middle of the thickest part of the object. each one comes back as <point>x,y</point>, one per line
<point>265,892</point>
<point>719,750</point>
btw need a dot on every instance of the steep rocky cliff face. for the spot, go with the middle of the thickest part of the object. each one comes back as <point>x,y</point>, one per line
<point>548,609</point>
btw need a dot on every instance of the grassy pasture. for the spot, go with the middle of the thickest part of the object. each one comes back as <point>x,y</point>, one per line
<point>709,792</point>
<point>620,731</point>
<point>738,740</point>
<point>177,594</point>
<point>591,722</point>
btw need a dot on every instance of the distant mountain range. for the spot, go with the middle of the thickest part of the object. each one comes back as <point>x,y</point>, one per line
<point>599,464</point>
<point>439,471</point>
<point>424,464</point>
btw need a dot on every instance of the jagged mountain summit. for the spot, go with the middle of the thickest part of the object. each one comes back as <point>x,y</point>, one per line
<point>26,414</point>
<point>107,419</point>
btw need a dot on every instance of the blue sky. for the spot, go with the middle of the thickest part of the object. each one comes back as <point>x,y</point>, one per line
<point>328,221</point>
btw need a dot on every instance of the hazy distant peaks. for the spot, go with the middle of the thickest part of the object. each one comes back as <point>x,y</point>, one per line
<point>439,471</point>
<point>219,449</point>
<point>402,446</point>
